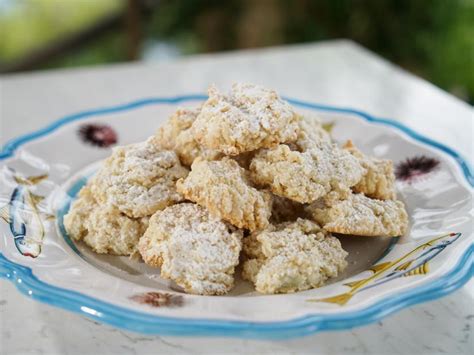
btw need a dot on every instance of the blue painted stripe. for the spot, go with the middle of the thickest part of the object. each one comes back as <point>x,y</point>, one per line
<point>128,319</point>
<point>145,323</point>
<point>10,147</point>
<point>465,167</point>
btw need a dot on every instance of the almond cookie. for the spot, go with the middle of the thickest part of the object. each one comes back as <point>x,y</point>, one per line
<point>311,132</point>
<point>292,257</point>
<point>223,187</point>
<point>193,248</point>
<point>248,118</point>
<point>139,179</point>
<point>103,227</point>
<point>379,181</point>
<point>323,169</point>
<point>361,215</point>
<point>176,134</point>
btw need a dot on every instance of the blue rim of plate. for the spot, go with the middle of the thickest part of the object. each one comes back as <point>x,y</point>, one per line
<point>28,284</point>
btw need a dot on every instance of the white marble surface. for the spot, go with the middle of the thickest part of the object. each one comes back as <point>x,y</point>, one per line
<point>336,73</point>
<point>440,327</point>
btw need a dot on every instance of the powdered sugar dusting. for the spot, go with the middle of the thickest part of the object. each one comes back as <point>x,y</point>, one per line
<point>139,179</point>
<point>322,170</point>
<point>176,134</point>
<point>250,117</point>
<point>379,180</point>
<point>291,257</point>
<point>223,187</point>
<point>197,251</point>
<point>360,215</point>
<point>102,226</point>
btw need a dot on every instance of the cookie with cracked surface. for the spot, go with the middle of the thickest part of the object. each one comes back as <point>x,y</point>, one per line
<point>292,257</point>
<point>311,132</point>
<point>248,118</point>
<point>176,134</point>
<point>322,170</point>
<point>196,250</point>
<point>223,187</point>
<point>379,180</point>
<point>361,215</point>
<point>102,226</point>
<point>139,179</point>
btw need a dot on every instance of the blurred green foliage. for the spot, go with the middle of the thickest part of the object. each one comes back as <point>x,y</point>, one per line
<point>431,38</point>
<point>31,24</point>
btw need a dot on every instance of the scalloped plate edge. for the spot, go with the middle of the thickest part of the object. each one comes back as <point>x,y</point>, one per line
<point>119,317</point>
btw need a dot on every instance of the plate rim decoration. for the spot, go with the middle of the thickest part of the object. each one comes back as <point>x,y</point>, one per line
<point>138,321</point>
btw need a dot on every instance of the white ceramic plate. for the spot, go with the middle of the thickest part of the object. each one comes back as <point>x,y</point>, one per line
<point>40,174</point>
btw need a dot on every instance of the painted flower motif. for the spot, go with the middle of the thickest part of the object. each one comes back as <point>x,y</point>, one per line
<point>413,168</point>
<point>102,136</point>
<point>158,299</point>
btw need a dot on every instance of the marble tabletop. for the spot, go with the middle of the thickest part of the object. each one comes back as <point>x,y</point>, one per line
<point>339,73</point>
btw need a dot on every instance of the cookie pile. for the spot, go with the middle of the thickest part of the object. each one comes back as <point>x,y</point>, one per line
<point>243,178</point>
